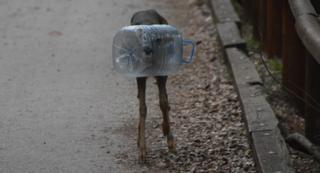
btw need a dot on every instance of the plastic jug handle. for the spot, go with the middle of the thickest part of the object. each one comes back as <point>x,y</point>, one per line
<point>186,43</point>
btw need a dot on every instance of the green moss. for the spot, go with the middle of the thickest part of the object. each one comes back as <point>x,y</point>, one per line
<point>275,65</point>
<point>246,28</point>
<point>252,43</point>
<point>237,7</point>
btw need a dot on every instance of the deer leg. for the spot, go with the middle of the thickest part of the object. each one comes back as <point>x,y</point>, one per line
<point>141,81</point>
<point>164,106</point>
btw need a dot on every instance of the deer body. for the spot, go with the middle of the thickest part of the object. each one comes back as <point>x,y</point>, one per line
<point>149,17</point>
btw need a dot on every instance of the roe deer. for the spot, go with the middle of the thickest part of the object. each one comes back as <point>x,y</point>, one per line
<point>149,17</point>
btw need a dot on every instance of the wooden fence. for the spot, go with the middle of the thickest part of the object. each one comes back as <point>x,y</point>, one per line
<point>274,24</point>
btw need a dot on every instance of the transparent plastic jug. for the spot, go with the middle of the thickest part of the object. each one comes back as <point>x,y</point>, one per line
<point>149,50</point>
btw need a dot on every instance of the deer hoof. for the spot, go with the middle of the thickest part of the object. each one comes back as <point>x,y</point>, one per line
<point>142,158</point>
<point>172,149</point>
<point>171,144</point>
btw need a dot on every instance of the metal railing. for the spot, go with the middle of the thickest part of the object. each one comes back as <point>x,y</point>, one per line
<point>307,25</point>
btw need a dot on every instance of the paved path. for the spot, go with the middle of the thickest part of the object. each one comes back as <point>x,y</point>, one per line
<point>60,102</point>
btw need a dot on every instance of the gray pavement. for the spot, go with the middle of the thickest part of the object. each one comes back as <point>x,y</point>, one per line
<point>60,100</point>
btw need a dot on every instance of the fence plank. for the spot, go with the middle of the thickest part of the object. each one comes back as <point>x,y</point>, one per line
<point>293,56</point>
<point>274,31</point>
<point>312,120</point>
<point>262,22</point>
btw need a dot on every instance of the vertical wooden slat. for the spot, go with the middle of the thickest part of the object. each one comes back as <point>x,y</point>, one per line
<point>274,32</point>
<point>255,17</point>
<point>262,23</point>
<point>312,108</point>
<point>247,4</point>
<point>312,119</point>
<point>285,34</point>
<point>293,57</point>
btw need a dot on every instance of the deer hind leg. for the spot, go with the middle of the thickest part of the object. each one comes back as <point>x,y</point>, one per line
<point>164,106</point>
<point>143,113</point>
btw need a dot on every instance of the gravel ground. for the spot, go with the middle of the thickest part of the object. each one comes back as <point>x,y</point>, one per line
<point>205,113</point>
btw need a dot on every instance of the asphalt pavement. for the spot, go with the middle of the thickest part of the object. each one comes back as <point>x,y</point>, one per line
<point>61,103</point>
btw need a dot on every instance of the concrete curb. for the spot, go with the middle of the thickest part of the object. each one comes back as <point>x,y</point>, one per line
<point>270,151</point>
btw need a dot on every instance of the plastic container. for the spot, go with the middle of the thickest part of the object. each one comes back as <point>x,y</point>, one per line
<point>149,50</point>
